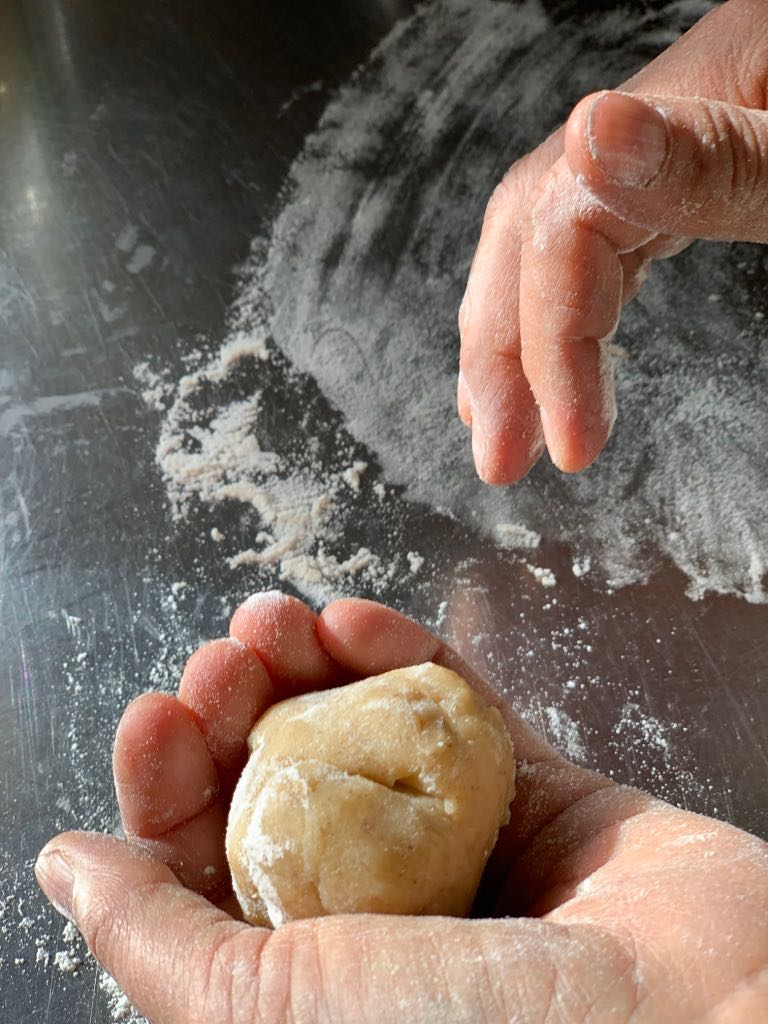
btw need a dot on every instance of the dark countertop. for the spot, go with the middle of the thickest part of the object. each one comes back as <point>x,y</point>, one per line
<point>177,123</point>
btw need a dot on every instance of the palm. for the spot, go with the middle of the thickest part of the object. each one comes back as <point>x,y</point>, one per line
<point>608,891</point>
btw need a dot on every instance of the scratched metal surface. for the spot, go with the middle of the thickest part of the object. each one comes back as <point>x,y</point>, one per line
<point>181,120</point>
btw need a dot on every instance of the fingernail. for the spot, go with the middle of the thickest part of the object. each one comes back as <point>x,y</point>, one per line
<point>551,438</point>
<point>627,138</point>
<point>54,873</point>
<point>479,447</point>
<point>463,401</point>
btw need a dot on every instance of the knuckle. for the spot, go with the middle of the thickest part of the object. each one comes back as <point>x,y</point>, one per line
<point>509,195</point>
<point>749,161</point>
<point>734,150</point>
<point>498,201</point>
<point>98,922</point>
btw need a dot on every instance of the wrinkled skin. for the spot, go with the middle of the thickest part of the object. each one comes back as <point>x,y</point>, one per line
<point>570,233</point>
<point>621,908</point>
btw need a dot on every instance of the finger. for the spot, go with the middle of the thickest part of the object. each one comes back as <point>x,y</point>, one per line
<point>172,952</point>
<point>283,632</point>
<point>506,431</point>
<point>227,688</point>
<point>507,439</point>
<point>163,772</point>
<point>181,961</point>
<point>490,321</point>
<point>691,167</point>
<point>570,298</point>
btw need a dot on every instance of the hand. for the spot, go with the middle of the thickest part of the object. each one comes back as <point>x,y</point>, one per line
<point>624,908</point>
<point>570,233</point>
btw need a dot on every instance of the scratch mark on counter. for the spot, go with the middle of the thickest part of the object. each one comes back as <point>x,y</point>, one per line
<point>24,509</point>
<point>47,405</point>
<point>73,623</point>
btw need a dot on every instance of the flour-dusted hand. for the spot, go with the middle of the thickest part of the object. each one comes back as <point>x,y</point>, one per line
<point>602,903</point>
<point>570,234</point>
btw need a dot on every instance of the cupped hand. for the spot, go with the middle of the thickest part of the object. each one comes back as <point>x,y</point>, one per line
<point>570,234</point>
<point>600,903</point>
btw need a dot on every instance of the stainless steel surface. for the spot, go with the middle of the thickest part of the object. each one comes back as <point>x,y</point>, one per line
<point>170,117</point>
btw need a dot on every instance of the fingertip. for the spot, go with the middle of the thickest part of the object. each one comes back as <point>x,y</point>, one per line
<point>577,127</point>
<point>368,638</point>
<point>579,138</point>
<point>162,768</point>
<point>617,138</point>
<point>282,630</point>
<point>507,439</point>
<point>227,688</point>
<point>508,458</point>
<point>575,440</point>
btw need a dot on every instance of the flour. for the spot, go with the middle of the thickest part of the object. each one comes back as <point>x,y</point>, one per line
<point>67,963</point>
<point>581,566</point>
<point>415,561</point>
<point>545,576</point>
<point>516,536</point>
<point>156,388</point>
<point>294,502</point>
<point>564,734</point>
<point>353,473</point>
<point>119,1005</point>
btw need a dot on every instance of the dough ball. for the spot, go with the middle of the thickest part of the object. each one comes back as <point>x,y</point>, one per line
<point>385,796</point>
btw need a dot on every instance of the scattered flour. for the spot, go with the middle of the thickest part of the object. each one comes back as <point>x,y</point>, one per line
<point>295,501</point>
<point>516,536</point>
<point>120,1008</point>
<point>644,728</point>
<point>67,963</point>
<point>415,561</point>
<point>581,566</point>
<point>545,576</point>
<point>156,389</point>
<point>564,734</point>
<point>353,473</point>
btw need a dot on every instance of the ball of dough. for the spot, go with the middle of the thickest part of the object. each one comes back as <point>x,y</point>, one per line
<point>385,796</point>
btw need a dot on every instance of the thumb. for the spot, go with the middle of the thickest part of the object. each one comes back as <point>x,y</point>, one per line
<point>182,961</point>
<point>689,167</point>
<point>173,953</point>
